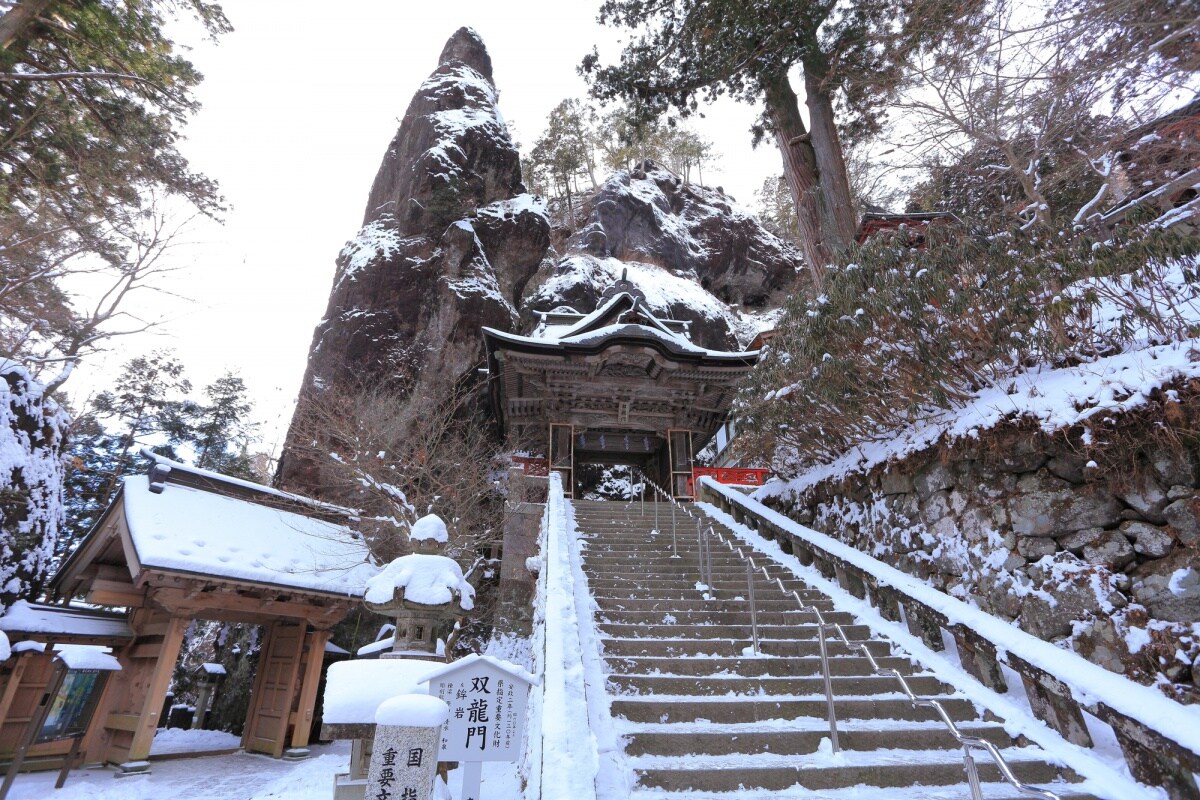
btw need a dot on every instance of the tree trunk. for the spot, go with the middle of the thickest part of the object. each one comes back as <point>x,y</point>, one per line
<point>838,218</point>
<point>800,171</point>
<point>18,19</point>
<point>1027,176</point>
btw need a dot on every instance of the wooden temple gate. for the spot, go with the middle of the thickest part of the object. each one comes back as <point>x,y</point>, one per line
<point>124,562</point>
<point>618,386</point>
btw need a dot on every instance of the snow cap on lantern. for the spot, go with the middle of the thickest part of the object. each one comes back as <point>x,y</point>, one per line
<point>421,590</point>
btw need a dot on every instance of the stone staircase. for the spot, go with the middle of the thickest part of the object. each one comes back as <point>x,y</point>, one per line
<point>701,714</point>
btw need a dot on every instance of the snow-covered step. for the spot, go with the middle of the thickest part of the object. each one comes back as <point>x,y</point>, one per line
<point>701,712</point>
<point>848,768</point>
<point>766,686</point>
<point>683,708</point>
<point>701,667</point>
<point>715,631</point>
<point>742,616</point>
<point>695,602</point>
<point>802,742</point>
<point>682,648</point>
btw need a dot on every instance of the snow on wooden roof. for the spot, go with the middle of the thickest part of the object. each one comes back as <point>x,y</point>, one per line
<point>606,324</point>
<point>64,621</point>
<point>190,530</point>
<point>471,660</point>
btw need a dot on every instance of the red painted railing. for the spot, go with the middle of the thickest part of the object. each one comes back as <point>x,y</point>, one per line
<point>530,465</point>
<point>741,476</point>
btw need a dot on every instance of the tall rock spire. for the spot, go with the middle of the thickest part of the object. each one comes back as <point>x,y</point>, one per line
<point>448,242</point>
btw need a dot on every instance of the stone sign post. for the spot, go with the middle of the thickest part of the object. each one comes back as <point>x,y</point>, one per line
<point>486,698</point>
<point>404,758</point>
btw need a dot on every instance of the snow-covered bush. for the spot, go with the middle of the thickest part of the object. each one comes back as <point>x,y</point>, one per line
<point>32,433</point>
<point>901,332</point>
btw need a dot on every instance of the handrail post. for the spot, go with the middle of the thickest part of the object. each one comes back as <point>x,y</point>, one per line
<point>972,774</point>
<point>753,606</point>
<point>674,545</point>
<point>831,711</point>
<point>643,492</point>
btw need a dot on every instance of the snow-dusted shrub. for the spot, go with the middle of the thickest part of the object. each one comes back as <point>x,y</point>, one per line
<point>899,332</point>
<point>32,432</point>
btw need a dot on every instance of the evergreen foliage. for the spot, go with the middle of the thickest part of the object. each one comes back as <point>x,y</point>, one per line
<point>148,407</point>
<point>578,140</point>
<point>92,98</point>
<point>850,56</point>
<point>899,331</point>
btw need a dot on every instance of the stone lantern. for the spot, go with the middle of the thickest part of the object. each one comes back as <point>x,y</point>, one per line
<point>427,590</point>
<point>420,591</point>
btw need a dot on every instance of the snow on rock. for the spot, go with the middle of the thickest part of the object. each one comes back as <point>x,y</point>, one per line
<point>354,690</point>
<point>375,241</point>
<point>426,579</point>
<point>429,528</point>
<point>32,433</point>
<point>692,250</point>
<point>412,711</point>
<point>1052,398</point>
<point>190,530</point>
<point>450,238</point>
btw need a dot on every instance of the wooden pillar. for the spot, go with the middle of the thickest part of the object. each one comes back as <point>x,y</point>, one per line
<point>10,688</point>
<point>302,726</point>
<point>160,680</point>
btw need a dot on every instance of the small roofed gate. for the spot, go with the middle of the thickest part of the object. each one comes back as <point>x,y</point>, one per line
<point>274,689</point>
<point>287,564</point>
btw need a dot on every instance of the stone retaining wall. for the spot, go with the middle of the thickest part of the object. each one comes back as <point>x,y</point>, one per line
<point>1103,558</point>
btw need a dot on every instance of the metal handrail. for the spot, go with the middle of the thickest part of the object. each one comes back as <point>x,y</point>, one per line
<point>967,742</point>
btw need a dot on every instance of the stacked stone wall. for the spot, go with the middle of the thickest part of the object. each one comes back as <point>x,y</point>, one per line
<point>1093,546</point>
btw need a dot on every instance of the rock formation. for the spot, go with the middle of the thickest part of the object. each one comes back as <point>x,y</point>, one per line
<point>451,242</point>
<point>692,250</point>
<point>448,241</point>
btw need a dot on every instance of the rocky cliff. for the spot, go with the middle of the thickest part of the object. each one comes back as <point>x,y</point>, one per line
<point>451,242</point>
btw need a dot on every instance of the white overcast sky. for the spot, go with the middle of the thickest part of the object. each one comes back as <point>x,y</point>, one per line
<point>299,104</point>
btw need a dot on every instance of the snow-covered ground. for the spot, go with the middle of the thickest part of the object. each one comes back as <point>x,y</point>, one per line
<point>239,776</point>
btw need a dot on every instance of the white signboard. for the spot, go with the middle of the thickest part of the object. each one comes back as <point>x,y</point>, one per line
<point>487,700</point>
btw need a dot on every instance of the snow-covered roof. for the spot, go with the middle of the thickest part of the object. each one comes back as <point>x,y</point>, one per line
<point>471,660</point>
<point>26,617</point>
<point>179,471</point>
<point>86,656</point>
<point>183,529</point>
<point>606,323</point>
<point>593,340</point>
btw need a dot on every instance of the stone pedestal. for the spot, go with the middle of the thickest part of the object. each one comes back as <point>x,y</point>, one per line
<point>514,613</point>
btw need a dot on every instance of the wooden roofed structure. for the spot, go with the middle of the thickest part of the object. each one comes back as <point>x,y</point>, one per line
<point>617,386</point>
<point>179,544</point>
